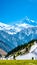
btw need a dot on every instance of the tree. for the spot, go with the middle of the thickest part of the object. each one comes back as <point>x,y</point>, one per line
<point>26,49</point>
<point>32,58</point>
<point>14,57</point>
<point>0,55</point>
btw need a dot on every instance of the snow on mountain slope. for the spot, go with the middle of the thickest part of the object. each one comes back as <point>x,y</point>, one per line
<point>13,29</point>
<point>17,34</point>
<point>28,21</point>
<point>25,57</point>
<point>8,28</point>
<point>28,56</point>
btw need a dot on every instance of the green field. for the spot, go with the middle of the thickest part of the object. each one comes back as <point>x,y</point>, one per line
<point>18,62</point>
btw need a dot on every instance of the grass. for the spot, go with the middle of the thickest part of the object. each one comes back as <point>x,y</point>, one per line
<point>18,62</point>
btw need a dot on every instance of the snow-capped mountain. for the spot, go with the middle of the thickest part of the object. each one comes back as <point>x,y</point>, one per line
<point>14,28</point>
<point>13,35</point>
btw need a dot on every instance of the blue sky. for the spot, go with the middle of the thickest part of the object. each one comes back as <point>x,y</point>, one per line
<point>15,10</point>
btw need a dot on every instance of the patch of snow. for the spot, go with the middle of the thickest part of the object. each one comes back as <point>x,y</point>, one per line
<point>25,57</point>
<point>32,20</point>
<point>28,56</point>
<point>33,47</point>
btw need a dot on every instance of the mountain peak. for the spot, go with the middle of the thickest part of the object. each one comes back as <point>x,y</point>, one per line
<point>13,29</point>
<point>27,20</point>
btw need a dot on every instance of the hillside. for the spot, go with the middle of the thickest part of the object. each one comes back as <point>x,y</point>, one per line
<point>23,49</point>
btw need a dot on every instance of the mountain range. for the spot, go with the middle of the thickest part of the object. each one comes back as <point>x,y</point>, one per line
<point>17,34</point>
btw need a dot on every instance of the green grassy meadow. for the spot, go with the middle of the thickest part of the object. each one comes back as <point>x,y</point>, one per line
<point>18,62</point>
